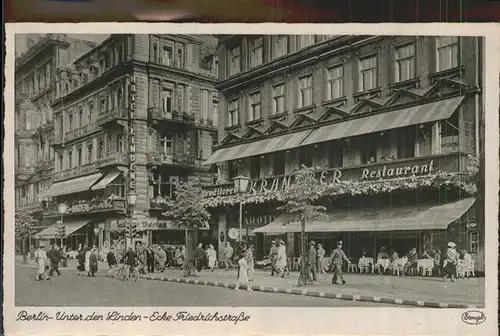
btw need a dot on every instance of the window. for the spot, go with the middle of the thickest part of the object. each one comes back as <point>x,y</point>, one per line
<point>369,151</point>
<point>81,115</point>
<point>280,45</point>
<point>79,157</point>
<point>70,159</point>
<point>121,143</point>
<point>405,144</point>
<point>119,97</point>
<point>305,156</point>
<point>368,73</point>
<point>205,105</point>
<point>278,99</point>
<point>405,63</point>
<point>166,144</point>
<point>254,107</point>
<point>167,55</point>
<point>335,87</point>
<point>304,41</point>
<point>90,153</point>
<point>61,162</point>
<point>180,57</point>
<point>256,52</point>
<point>91,112</point>
<point>155,52</point>
<point>255,167</point>
<point>232,167</point>
<point>233,112</point>
<point>102,104</point>
<point>234,61</point>
<point>279,163</point>
<point>70,122</point>
<point>447,52</point>
<point>48,74</point>
<point>166,100</point>
<point>100,149</point>
<point>121,52</point>
<point>305,91</point>
<point>473,241</point>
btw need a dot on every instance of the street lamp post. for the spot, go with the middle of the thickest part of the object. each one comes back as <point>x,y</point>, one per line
<point>131,200</point>
<point>61,208</point>
<point>241,186</point>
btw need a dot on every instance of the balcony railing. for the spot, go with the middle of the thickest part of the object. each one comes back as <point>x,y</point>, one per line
<point>25,170</point>
<point>157,113</point>
<point>79,132</point>
<point>172,158</point>
<point>92,206</point>
<point>114,114</point>
<point>112,159</point>
<point>45,164</point>
<point>76,171</point>
<point>158,203</point>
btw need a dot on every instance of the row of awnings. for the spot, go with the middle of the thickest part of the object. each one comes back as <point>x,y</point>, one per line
<point>421,217</point>
<point>94,181</point>
<point>409,116</point>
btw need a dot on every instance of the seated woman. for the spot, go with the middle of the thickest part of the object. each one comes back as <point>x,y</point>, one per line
<point>382,260</point>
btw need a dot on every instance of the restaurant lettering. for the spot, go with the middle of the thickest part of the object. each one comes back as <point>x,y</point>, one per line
<point>386,172</point>
<point>131,132</point>
<point>142,225</point>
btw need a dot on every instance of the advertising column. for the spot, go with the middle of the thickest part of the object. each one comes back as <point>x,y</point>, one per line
<point>131,151</point>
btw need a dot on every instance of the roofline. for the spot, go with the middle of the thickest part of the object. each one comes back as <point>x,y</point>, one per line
<point>38,48</point>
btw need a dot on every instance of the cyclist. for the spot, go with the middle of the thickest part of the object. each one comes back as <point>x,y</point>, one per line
<point>130,259</point>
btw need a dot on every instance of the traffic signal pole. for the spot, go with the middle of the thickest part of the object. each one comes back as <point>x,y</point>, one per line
<point>62,228</point>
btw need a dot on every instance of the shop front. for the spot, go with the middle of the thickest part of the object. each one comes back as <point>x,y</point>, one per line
<point>78,232</point>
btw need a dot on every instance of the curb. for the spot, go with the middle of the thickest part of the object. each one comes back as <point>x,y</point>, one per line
<point>306,292</point>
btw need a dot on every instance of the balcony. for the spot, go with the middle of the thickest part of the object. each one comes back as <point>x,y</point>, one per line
<point>80,132</point>
<point>75,172</point>
<point>118,158</point>
<point>159,115</point>
<point>29,207</point>
<point>158,204</point>
<point>160,158</point>
<point>23,173</point>
<point>45,165</point>
<point>116,116</point>
<point>117,205</point>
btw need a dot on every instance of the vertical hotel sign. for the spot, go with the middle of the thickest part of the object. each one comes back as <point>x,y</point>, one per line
<point>131,136</point>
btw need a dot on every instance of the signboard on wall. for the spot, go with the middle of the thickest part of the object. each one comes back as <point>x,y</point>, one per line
<point>131,137</point>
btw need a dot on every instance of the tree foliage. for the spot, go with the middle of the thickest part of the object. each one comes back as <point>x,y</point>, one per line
<point>24,224</point>
<point>300,197</point>
<point>187,209</point>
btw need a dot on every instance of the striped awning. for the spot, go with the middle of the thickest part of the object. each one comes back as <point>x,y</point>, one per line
<point>259,147</point>
<point>110,177</point>
<point>418,217</point>
<point>71,227</point>
<point>415,115</point>
<point>72,186</point>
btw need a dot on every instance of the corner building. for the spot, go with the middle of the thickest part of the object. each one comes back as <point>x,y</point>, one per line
<point>387,120</point>
<point>135,114</point>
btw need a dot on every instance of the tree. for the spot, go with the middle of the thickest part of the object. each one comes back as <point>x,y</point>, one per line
<point>299,201</point>
<point>24,228</point>
<point>188,211</point>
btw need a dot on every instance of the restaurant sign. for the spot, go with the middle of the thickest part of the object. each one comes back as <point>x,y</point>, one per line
<point>394,172</point>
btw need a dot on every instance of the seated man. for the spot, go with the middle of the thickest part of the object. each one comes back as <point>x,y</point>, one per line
<point>382,260</point>
<point>412,260</point>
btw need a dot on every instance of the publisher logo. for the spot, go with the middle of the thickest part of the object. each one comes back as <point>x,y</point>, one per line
<point>473,317</point>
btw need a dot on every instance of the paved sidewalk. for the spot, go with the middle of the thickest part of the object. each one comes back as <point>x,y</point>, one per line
<point>413,291</point>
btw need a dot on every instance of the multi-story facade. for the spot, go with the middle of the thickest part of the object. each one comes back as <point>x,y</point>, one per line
<point>371,109</point>
<point>133,115</point>
<point>38,57</point>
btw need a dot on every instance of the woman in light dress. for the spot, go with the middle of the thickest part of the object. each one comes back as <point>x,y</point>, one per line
<point>321,260</point>
<point>87,260</point>
<point>250,262</point>
<point>212,257</point>
<point>42,262</point>
<point>281,263</point>
<point>243,273</point>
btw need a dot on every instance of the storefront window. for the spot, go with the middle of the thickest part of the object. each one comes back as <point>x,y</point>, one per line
<point>255,167</point>
<point>279,163</point>
<point>473,241</point>
<point>449,134</point>
<point>232,169</point>
<point>335,156</point>
<point>368,152</point>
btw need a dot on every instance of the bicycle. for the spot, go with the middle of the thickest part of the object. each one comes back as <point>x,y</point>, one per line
<point>133,273</point>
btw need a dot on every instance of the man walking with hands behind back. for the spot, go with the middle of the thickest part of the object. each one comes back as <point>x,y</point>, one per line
<point>338,257</point>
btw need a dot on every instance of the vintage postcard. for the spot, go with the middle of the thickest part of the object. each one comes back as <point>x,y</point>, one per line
<point>282,179</point>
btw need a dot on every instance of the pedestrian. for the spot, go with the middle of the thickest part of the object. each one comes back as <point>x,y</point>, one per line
<point>282,263</point>
<point>130,259</point>
<point>88,252</point>
<point>199,256</point>
<point>273,256</point>
<point>250,262</point>
<point>412,261</point>
<point>42,261</point>
<point>162,259</point>
<point>93,262</point>
<point>338,257</point>
<point>212,257</point>
<point>229,253</point>
<point>55,257</point>
<point>321,260</point>
<point>81,260</point>
<point>312,262</point>
<point>242,272</point>
<point>111,258</point>
<point>150,259</point>
<point>450,263</point>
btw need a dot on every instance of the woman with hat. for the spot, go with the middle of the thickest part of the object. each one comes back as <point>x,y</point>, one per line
<point>42,262</point>
<point>281,263</point>
<point>242,272</point>
<point>450,264</point>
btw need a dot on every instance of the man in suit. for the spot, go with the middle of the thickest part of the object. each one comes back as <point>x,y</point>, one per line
<point>338,257</point>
